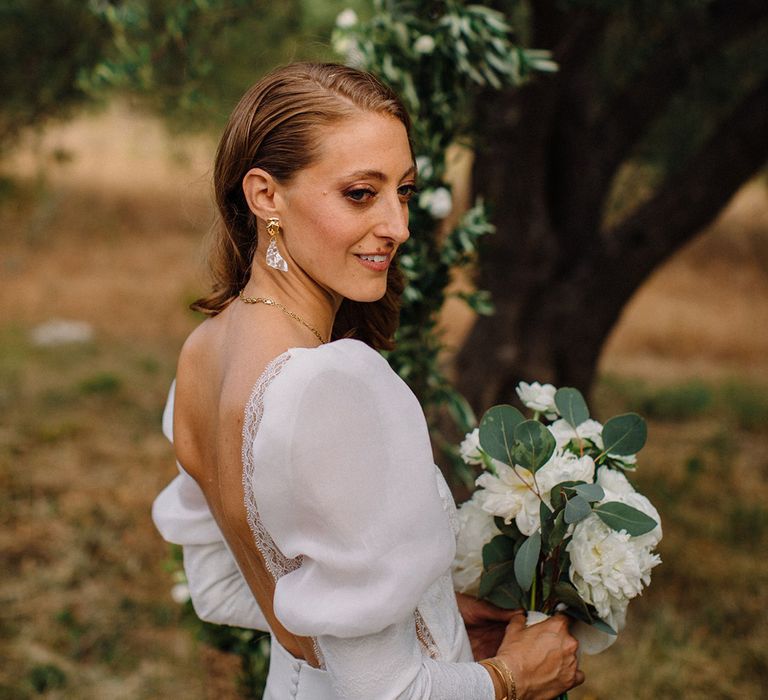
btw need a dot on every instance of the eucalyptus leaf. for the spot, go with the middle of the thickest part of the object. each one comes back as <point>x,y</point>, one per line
<point>625,434</point>
<point>510,530</point>
<point>495,575</point>
<point>534,445</point>
<point>498,550</point>
<point>497,430</point>
<point>567,594</point>
<point>576,509</point>
<point>603,626</point>
<point>620,516</point>
<point>571,405</point>
<point>526,560</point>
<point>558,531</point>
<point>590,492</point>
<point>557,493</point>
<point>508,596</point>
<point>547,518</point>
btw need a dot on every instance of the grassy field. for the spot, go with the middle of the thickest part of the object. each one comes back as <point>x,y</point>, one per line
<point>102,223</point>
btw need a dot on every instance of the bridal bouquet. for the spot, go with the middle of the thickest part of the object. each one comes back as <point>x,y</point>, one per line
<point>555,524</point>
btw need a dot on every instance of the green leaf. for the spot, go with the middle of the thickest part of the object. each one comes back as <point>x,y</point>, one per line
<point>625,434</point>
<point>567,594</point>
<point>590,492</point>
<point>571,405</point>
<point>557,494</point>
<point>620,516</point>
<point>508,596</point>
<point>558,531</point>
<point>510,530</point>
<point>526,560</point>
<point>603,626</point>
<point>547,518</point>
<point>494,576</point>
<point>534,445</point>
<point>498,550</point>
<point>576,509</point>
<point>497,429</point>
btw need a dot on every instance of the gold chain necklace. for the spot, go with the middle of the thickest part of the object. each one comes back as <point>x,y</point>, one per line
<point>287,312</point>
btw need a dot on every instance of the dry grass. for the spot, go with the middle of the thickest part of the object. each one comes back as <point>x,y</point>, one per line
<point>113,238</point>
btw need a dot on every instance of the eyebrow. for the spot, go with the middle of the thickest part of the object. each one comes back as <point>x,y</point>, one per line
<point>378,175</point>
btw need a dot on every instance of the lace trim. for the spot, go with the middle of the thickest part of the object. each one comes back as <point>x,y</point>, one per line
<point>277,563</point>
<point>425,637</point>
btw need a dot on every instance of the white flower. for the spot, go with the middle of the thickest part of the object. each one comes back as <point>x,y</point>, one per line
<point>424,166</point>
<point>425,44</point>
<point>564,466</point>
<point>613,481</point>
<point>438,202</point>
<point>564,432</point>
<point>510,496</point>
<point>539,397</point>
<point>470,448</point>
<point>609,568</point>
<point>180,593</point>
<point>476,529</point>
<point>346,18</point>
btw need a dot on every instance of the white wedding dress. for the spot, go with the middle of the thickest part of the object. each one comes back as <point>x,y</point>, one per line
<point>356,525</point>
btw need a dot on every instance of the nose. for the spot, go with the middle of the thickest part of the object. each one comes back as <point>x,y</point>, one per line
<point>394,224</point>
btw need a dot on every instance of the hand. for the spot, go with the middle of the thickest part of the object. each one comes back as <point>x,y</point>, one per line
<point>485,624</point>
<point>542,657</point>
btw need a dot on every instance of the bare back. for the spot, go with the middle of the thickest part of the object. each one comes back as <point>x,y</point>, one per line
<point>219,365</point>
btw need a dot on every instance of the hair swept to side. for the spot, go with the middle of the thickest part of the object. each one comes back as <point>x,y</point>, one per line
<point>274,127</point>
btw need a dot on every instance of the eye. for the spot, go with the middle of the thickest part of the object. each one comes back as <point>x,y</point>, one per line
<point>406,192</point>
<point>360,194</point>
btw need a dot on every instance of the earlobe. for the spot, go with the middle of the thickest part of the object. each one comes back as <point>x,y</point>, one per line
<point>259,191</point>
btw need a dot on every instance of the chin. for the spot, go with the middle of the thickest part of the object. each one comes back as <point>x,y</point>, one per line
<point>367,295</point>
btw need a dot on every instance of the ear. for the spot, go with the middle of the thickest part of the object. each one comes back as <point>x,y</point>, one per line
<point>259,191</point>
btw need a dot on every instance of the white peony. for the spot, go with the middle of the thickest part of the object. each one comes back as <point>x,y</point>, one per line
<point>564,432</point>
<point>609,568</point>
<point>425,44</point>
<point>470,448</point>
<point>539,397</point>
<point>437,202</point>
<point>510,495</point>
<point>613,481</point>
<point>346,18</point>
<point>564,466</point>
<point>476,528</point>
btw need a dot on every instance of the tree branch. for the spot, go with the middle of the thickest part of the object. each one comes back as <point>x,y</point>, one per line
<point>689,200</point>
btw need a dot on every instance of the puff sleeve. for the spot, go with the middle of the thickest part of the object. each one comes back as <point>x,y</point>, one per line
<point>348,487</point>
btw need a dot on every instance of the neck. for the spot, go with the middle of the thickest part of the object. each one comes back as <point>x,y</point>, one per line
<point>298,292</point>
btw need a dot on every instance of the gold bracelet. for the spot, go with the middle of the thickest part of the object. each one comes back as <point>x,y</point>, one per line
<point>504,674</point>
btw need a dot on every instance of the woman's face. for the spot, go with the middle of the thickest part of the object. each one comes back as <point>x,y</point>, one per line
<point>344,216</point>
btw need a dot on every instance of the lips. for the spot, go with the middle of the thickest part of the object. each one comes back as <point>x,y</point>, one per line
<point>374,261</point>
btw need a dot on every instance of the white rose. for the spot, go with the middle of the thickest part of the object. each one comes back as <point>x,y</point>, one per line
<point>470,448</point>
<point>346,18</point>
<point>476,528</point>
<point>438,202</point>
<point>425,44</point>
<point>180,593</point>
<point>539,397</point>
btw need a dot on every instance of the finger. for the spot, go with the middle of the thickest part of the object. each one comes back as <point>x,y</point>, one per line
<point>579,678</point>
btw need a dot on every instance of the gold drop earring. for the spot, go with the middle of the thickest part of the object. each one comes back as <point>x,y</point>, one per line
<point>274,259</point>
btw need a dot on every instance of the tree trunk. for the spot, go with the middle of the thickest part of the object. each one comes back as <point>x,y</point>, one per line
<point>560,282</point>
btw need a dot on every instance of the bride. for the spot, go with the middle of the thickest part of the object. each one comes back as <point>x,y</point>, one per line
<point>308,503</point>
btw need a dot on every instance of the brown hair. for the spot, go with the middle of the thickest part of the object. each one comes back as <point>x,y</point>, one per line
<point>274,127</point>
